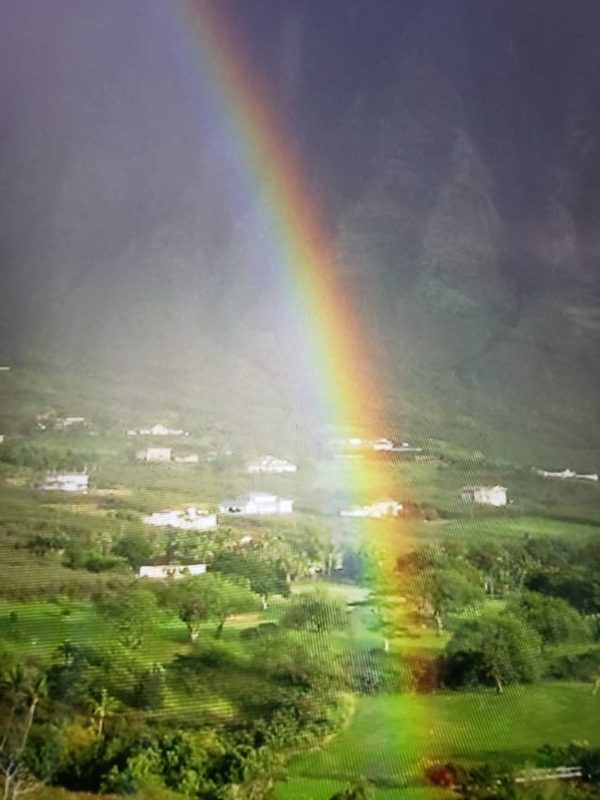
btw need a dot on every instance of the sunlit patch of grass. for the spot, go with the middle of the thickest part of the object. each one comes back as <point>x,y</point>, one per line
<point>392,736</point>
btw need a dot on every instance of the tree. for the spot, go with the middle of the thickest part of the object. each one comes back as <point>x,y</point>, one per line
<point>504,648</point>
<point>313,540</point>
<point>316,612</point>
<point>575,585</point>
<point>552,617</point>
<point>439,592</point>
<point>363,790</point>
<point>134,610</point>
<point>69,677</point>
<point>265,573</point>
<point>134,548</point>
<point>106,706</point>
<point>150,688</point>
<point>211,596</point>
<point>24,690</point>
<point>488,560</point>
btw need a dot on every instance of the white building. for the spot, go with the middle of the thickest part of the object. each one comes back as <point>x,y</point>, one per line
<point>154,454</point>
<point>487,495</point>
<point>186,458</point>
<point>382,444</point>
<point>189,519</point>
<point>257,503</point>
<point>67,482</point>
<point>160,430</point>
<point>1,437</point>
<point>272,464</point>
<point>377,510</point>
<point>68,421</point>
<point>387,444</point>
<point>356,511</point>
<point>172,571</point>
<point>565,473</point>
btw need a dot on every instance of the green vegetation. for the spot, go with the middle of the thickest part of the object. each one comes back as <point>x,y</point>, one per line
<point>318,657</point>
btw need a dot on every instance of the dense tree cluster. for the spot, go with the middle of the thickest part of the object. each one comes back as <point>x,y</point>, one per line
<point>89,720</point>
<point>22,453</point>
<point>505,605</point>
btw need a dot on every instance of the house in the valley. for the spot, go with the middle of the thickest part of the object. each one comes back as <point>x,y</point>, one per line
<point>392,447</point>
<point>255,503</point>
<point>407,447</point>
<point>382,444</point>
<point>173,571</point>
<point>157,430</point>
<point>356,511</point>
<point>186,458</point>
<point>561,474</point>
<point>567,473</point>
<point>154,454</point>
<point>68,422</point>
<point>376,510</point>
<point>66,482</point>
<point>271,464</point>
<point>486,495</point>
<point>188,519</point>
<point>161,430</point>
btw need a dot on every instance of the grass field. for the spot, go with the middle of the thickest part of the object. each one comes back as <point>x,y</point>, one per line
<point>512,526</point>
<point>392,738</point>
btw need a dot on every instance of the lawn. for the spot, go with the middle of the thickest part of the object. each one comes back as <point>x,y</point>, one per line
<point>512,526</point>
<point>311,789</point>
<point>392,737</point>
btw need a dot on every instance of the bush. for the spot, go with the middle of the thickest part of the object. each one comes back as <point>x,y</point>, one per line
<point>576,667</point>
<point>373,671</point>
<point>442,775</point>
<point>264,631</point>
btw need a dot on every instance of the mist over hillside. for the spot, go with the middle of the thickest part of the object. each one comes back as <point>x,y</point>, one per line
<point>452,150</point>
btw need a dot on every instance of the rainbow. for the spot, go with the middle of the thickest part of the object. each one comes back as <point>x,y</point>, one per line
<point>287,209</point>
<point>325,313</point>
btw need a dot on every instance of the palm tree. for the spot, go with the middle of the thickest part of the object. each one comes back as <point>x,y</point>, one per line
<point>28,688</point>
<point>12,687</point>
<point>105,708</point>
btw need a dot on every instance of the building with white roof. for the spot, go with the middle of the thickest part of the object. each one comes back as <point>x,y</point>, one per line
<point>272,464</point>
<point>186,458</point>
<point>66,482</point>
<point>257,503</point>
<point>154,454</point>
<point>376,510</point>
<point>486,495</point>
<point>189,519</point>
<point>163,572</point>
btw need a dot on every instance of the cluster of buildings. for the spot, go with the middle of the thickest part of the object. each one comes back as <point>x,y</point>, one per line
<point>376,445</point>
<point>50,420</point>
